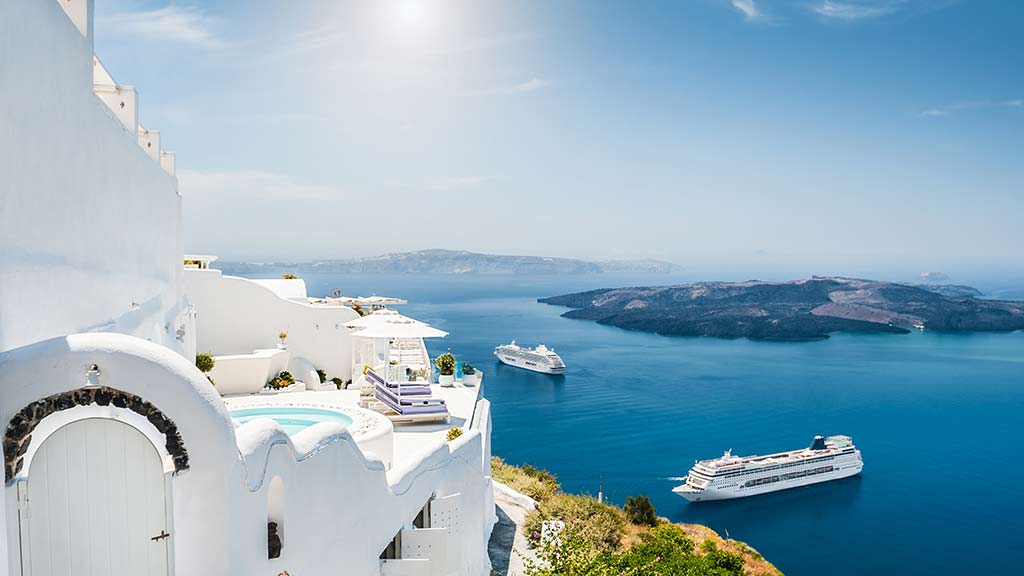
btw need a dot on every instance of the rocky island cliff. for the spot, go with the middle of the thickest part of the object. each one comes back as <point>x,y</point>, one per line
<point>809,309</point>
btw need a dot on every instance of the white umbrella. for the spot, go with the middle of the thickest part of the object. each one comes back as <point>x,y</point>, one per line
<point>401,329</point>
<point>377,317</point>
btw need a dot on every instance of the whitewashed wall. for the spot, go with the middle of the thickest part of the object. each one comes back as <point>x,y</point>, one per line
<point>237,316</point>
<point>90,226</point>
<point>340,509</point>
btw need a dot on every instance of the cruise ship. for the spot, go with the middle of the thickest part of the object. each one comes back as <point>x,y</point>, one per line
<point>539,359</point>
<point>738,476</point>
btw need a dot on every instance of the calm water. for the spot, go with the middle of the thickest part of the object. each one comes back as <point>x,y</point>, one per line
<point>938,418</point>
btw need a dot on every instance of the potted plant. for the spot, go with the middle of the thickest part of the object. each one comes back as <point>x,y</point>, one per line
<point>446,366</point>
<point>469,375</point>
<point>205,363</point>
<point>281,340</point>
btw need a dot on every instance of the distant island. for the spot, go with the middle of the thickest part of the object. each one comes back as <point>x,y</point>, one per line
<point>798,310</point>
<point>462,262</point>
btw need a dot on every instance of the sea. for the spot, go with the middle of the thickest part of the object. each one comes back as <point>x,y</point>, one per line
<point>938,418</point>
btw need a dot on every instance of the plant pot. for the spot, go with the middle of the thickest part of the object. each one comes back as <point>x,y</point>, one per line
<point>282,346</point>
<point>470,379</point>
<point>446,380</point>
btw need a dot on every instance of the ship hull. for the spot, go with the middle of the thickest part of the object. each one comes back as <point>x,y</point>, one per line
<point>527,365</point>
<point>710,494</point>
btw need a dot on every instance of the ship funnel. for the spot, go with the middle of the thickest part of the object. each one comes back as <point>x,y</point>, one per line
<point>819,443</point>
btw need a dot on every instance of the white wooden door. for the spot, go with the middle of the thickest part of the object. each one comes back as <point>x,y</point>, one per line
<point>94,501</point>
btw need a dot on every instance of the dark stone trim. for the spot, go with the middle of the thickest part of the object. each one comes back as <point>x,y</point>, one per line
<point>19,430</point>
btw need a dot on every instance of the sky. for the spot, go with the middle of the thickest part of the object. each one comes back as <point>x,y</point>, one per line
<point>866,137</point>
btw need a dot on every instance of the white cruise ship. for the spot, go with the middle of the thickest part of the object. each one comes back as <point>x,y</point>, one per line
<point>539,359</point>
<point>738,476</point>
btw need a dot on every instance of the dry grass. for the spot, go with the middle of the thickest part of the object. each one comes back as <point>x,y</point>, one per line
<point>537,484</point>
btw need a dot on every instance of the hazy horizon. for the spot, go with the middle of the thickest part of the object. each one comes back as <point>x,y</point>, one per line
<point>853,137</point>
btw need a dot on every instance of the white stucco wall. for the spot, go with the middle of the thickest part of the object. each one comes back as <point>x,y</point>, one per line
<point>238,316</point>
<point>340,508</point>
<point>90,227</point>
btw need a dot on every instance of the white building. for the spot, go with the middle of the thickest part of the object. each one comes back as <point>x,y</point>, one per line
<point>120,456</point>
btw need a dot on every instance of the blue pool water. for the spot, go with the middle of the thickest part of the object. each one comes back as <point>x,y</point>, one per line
<point>938,418</point>
<point>292,419</point>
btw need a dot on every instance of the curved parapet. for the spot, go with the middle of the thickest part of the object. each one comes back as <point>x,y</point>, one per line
<point>78,372</point>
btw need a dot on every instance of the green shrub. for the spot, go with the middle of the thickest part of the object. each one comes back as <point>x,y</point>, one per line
<point>205,362</point>
<point>467,368</point>
<point>538,484</point>
<point>359,309</point>
<point>453,433</point>
<point>445,364</point>
<point>322,374</point>
<point>602,525</point>
<point>338,382</point>
<point>282,380</point>
<point>289,276</point>
<point>664,549</point>
<point>640,511</point>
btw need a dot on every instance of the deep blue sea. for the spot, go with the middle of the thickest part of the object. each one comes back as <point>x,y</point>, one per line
<point>939,419</point>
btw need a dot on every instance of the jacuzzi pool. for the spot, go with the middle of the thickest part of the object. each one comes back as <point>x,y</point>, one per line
<point>292,419</point>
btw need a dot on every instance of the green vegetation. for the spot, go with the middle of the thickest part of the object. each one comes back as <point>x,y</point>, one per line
<point>338,382</point>
<point>600,539</point>
<point>359,309</point>
<point>205,362</point>
<point>282,335</point>
<point>453,433</point>
<point>445,364</point>
<point>640,510</point>
<point>535,483</point>
<point>602,524</point>
<point>322,375</point>
<point>289,276</point>
<point>467,368</point>
<point>282,380</point>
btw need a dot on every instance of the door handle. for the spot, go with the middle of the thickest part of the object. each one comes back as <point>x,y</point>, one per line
<point>163,534</point>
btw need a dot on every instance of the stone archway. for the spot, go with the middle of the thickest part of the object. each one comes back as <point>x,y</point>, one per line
<point>18,434</point>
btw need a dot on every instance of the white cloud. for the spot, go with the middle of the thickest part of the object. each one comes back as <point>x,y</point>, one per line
<point>748,7</point>
<point>251,184</point>
<point>173,23</point>
<point>531,85</point>
<point>854,10</point>
<point>949,109</point>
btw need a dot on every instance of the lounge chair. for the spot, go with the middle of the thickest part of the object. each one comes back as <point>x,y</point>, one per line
<point>406,408</point>
<point>407,388</point>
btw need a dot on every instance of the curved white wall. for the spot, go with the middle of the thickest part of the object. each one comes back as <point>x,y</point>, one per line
<point>90,233</point>
<point>237,316</point>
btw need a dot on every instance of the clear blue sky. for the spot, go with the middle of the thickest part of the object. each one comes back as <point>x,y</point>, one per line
<point>831,136</point>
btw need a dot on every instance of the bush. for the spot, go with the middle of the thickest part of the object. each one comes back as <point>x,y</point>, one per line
<point>602,525</point>
<point>322,374</point>
<point>537,484</point>
<point>282,380</point>
<point>289,276</point>
<point>454,432</point>
<point>359,309</point>
<point>282,335</point>
<point>445,364</point>
<point>338,382</point>
<point>640,511</point>
<point>467,368</point>
<point>664,549</point>
<point>205,362</point>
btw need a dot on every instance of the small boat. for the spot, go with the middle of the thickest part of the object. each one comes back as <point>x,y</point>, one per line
<point>738,476</point>
<point>540,359</point>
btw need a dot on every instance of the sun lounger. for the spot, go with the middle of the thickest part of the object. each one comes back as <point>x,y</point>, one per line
<point>407,388</point>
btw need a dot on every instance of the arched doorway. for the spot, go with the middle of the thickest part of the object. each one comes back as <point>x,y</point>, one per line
<point>95,502</point>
